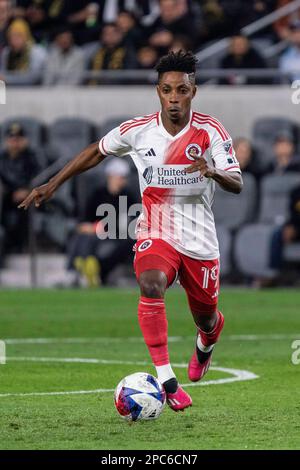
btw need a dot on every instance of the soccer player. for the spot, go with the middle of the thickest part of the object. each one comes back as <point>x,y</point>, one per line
<point>180,154</point>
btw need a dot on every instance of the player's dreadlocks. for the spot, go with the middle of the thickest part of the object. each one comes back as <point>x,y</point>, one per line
<point>180,61</point>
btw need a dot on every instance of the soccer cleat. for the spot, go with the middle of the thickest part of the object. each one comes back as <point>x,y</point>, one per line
<point>179,400</point>
<point>196,370</point>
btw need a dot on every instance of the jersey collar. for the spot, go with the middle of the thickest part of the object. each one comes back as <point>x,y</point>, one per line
<point>166,133</point>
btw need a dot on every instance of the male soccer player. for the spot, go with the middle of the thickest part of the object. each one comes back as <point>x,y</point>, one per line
<point>179,155</point>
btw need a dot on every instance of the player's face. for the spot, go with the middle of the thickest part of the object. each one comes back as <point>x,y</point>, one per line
<point>176,91</point>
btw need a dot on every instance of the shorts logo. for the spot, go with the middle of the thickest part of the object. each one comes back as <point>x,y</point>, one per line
<point>145,245</point>
<point>148,174</point>
<point>193,151</point>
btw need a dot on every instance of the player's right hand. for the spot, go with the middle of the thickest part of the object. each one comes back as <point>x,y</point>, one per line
<point>37,196</point>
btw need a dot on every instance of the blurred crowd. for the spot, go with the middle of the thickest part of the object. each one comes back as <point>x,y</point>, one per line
<point>54,42</point>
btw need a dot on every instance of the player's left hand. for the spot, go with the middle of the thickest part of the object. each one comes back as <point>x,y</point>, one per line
<point>201,165</point>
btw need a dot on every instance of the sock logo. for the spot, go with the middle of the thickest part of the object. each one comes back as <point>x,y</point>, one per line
<point>145,245</point>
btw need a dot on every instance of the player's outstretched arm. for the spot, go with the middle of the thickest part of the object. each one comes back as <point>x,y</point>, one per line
<point>229,181</point>
<point>85,160</point>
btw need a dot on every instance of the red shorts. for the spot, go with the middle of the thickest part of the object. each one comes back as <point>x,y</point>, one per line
<point>200,279</point>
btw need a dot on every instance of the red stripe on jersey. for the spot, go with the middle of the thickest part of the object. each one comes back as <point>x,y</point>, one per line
<point>233,166</point>
<point>135,120</point>
<point>210,118</point>
<point>214,125</point>
<point>123,131</point>
<point>126,125</point>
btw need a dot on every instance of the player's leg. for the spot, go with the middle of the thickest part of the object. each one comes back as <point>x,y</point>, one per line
<point>154,274</point>
<point>201,282</point>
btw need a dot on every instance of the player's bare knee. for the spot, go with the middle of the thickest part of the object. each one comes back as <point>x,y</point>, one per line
<point>153,284</point>
<point>204,321</point>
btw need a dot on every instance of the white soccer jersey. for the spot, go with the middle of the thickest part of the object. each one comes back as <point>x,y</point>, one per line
<point>176,205</point>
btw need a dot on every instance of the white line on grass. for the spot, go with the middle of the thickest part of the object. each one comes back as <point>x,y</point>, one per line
<point>238,375</point>
<point>138,339</point>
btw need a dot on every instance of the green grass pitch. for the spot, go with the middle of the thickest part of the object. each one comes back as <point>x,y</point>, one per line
<point>260,328</point>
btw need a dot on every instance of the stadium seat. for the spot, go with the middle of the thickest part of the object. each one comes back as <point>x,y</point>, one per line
<point>225,242</point>
<point>252,250</point>
<point>275,191</point>
<point>265,130</point>
<point>232,210</point>
<point>68,136</point>
<point>34,129</point>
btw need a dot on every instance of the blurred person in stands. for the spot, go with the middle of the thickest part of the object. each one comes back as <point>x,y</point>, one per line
<point>18,165</point>
<point>147,57</point>
<point>92,258</point>
<point>5,15</point>
<point>284,235</point>
<point>65,64</point>
<point>214,22</point>
<point>290,60</point>
<point>241,56</point>
<point>42,16</point>
<point>22,61</point>
<point>284,152</point>
<point>282,25</point>
<point>175,19</point>
<point>112,53</point>
<point>181,43</point>
<point>247,157</point>
<point>130,29</point>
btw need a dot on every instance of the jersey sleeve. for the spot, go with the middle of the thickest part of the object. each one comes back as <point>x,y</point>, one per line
<point>113,143</point>
<point>223,153</point>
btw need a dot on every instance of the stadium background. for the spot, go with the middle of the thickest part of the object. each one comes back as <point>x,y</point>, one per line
<point>60,121</point>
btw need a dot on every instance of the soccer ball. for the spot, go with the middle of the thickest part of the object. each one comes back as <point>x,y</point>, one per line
<point>140,396</point>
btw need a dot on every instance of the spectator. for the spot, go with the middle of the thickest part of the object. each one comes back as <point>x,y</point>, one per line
<point>282,236</point>
<point>290,59</point>
<point>22,62</point>
<point>5,14</point>
<point>112,53</point>
<point>241,56</point>
<point>84,18</point>
<point>181,43</point>
<point>90,256</point>
<point>42,15</point>
<point>147,57</point>
<point>285,159</point>
<point>282,25</point>
<point>214,22</point>
<point>247,157</point>
<point>174,19</point>
<point>128,25</point>
<point>18,165</point>
<point>65,63</point>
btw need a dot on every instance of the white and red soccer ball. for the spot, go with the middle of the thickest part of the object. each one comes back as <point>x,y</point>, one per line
<point>140,396</point>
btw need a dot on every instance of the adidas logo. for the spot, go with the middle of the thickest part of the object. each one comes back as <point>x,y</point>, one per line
<point>151,153</point>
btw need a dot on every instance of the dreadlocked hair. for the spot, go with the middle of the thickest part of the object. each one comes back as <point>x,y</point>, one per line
<point>181,61</point>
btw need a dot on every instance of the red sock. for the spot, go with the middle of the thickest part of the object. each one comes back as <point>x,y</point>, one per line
<point>154,326</point>
<point>212,337</point>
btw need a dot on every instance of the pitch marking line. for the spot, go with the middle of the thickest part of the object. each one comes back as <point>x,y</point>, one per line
<point>136,339</point>
<point>238,375</point>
